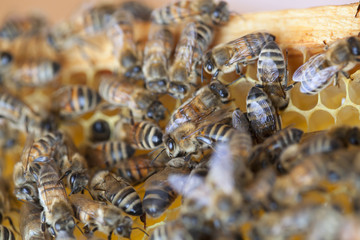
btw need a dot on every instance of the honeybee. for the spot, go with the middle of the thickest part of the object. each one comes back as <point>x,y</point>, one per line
<point>125,94</point>
<point>34,73</point>
<point>17,26</point>
<point>204,102</point>
<point>30,224</point>
<point>6,233</point>
<point>109,153</point>
<point>137,169</point>
<point>194,40</point>
<point>140,135</point>
<point>262,115</point>
<point>268,152</point>
<point>272,72</point>
<point>20,115</point>
<point>185,9</point>
<point>57,213</point>
<point>156,59</point>
<point>100,131</point>
<point>102,217</point>
<point>75,100</point>
<point>159,194</point>
<point>318,72</point>
<point>25,184</point>
<point>228,57</point>
<point>106,186</point>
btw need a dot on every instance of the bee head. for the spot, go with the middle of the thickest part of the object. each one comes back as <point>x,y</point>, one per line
<point>171,147</point>
<point>78,181</point>
<point>178,89</point>
<point>100,131</point>
<point>158,85</point>
<point>354,45</point>
<point>220,90</point>
<point>221,13</point>
<point>156,111</point>
<point>124,227</point>
<point>209,63</point>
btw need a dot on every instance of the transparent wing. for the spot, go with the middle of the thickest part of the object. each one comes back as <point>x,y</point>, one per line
<point>25,156</point>
<point>309,68</point>
<point>240,121</point>
<point>271,71</point>
<point>221,173</point>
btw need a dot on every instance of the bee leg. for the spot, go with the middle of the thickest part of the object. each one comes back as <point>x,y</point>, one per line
<point>143,219</point>
<point>43,221</point>
<point>345,74</point>
<point>216,74</point>
<point>326,47</point>
<point>239,68</point>
<point>357,10</point>
<point>336,81</point>
<point>290,86</point>
<point>109,237</point>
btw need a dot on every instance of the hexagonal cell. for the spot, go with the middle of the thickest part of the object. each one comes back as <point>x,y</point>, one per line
<point>354,89</point>
<point>348,115</point>
<point>239,92</point>
<point>76,130</point>
<point>295,60</point>
<point>303,101</point>
<point>333,96</point>
<point>320,120</point>
<point>294,119</point>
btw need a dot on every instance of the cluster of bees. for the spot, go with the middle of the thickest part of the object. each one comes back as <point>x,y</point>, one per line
<point>233,169</point>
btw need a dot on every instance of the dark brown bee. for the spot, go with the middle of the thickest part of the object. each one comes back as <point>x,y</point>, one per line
<point>263,118</point>
<point>17,26</point>
<point>102,217</point>
<point>318,72</point>
<point>158,192</point>
<point>75,100</point>
<point>106,186</point>
<point>194,40</point>
<point>108,154</point>
<point>137,169</point>
<point>124,94</point>
<point>272,72</point>
<point>57,213</point>
<point>25,184</point>
<point>185,9</point>
<point>140,135</point>
<point>156,59</point>
<point>34,73</point>
<point>228,57</point>
<point>30,224</point>
<point>267,153</point>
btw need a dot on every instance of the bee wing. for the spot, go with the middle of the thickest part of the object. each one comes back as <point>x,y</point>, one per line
<point>221,173</point>
<point>271,71</point>
<point>26,151</point>
<point>185,47</point>
<point>244,50</point>
<point>240,121</point>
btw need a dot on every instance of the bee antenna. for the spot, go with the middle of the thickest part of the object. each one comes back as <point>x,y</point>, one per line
<point>155,150</point>
<point>140,230</point>
<point>236,80</point>
<point>79,228</point>
<point>152,161</point>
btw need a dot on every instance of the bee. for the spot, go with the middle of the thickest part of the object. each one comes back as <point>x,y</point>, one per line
<point>34,73</point>
<point>75,100</point>
<point>6,233</point>
<point>125,94</point>
<point>184,9</point>
<point>109,153</point>
<point>156,59</point>
<point>25,184</point>
<point>267,153</point>
<point>345,134</point>
<point>318,72</point>
<point>16,26</point>
<point>272,72</point>
<point>194,40</point>
<point>229,57</point>
<point>159,194</point>
<point>100,131</point>
<point>57,213</point>
<point>262,115</point>
<point>138,10</point>
<point>137,169</point>
<point>102,217</point>
<point>204,102</point>
<point>106,186</point>
<point>30,224</point>
<point>140,135</point>
<point>20,115</point>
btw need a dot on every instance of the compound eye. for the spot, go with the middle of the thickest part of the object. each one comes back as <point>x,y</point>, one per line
<point>216,14</point>
<point>52,231</point>
<point>223,93</point>
<point>162,83</point>
<point>209,66</point>
<point>26,190</point>
<point>72,179</point>
<point>171,144</point>
<point>120,230</point>
<point>182,89</point>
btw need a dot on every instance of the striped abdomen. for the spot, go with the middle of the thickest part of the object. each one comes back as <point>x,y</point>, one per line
<point>35,73</point>
<point>320,144</point>
<point>181,10</point>
<point>73,101</point>
<point>217,132</point>
<point>159,195</point>
<point>6,233</point>
<point>282,139</point>
<point>119,93</point>
<point>144,135</point>
<point>136,169</point>
<point>109,153</point>
<point>262,115</point>
<point>30,224</point>
<point>15,27</point>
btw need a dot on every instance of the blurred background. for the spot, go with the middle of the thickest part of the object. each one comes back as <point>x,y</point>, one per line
<point>61,9</point>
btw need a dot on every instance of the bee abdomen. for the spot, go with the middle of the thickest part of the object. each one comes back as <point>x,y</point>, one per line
<point>147,135</point>
<point>129,201</point>
<point>6,233</point>
<point>158,199</point>
<point>115,151</point>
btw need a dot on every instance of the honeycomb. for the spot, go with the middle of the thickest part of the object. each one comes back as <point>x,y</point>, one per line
<point>301,32</point>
